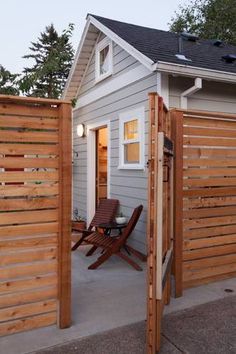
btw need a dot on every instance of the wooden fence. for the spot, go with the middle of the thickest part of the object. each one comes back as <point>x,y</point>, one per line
<point>205,197</point>
<point>35,213</point>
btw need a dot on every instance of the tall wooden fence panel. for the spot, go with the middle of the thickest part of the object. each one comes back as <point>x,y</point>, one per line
<point>35,179</point>
<point>209,196</point>
<point>159,226</point>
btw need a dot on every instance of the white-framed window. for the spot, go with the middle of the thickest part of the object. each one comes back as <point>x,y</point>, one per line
<point>103,59</point>
<point>131,139</point>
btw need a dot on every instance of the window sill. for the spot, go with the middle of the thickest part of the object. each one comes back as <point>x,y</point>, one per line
<point>131,167</point>
<point>102,77</point>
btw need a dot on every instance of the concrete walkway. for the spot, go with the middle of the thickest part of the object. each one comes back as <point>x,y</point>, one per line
<point>204,329</point>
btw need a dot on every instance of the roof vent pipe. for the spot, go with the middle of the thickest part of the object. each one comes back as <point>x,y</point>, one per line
<point>184,95</point>
<point>180,45</point>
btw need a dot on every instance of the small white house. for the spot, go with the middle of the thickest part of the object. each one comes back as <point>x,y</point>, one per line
<point>116,66</point>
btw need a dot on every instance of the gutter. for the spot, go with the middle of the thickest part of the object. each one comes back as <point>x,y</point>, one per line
<point>184,95</point>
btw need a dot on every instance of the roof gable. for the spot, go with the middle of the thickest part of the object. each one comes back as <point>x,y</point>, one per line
<point>149,46</point>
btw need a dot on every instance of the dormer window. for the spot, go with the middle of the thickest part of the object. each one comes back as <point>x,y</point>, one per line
<point>103,59</point>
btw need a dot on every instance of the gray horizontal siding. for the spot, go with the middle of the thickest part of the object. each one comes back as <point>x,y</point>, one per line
<point>129,186</point>
<point>214,96</point>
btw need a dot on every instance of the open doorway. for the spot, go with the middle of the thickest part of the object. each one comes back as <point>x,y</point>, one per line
<point>101,164</point>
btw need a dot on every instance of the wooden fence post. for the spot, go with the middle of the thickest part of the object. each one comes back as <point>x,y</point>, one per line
<point>64,249</point>
<point>177,136</point>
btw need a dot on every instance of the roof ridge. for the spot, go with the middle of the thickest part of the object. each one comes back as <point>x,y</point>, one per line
<point>201,39</point>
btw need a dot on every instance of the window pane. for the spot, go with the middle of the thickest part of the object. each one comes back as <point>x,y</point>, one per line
<point>131,129</point>
<point>131,153</point>
<point>104,60</point>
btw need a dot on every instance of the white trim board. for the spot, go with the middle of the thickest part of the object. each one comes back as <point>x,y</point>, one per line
<point>71,73</point>
<point>115,84</point>
<point>91,165</point>
<point>192,71</point>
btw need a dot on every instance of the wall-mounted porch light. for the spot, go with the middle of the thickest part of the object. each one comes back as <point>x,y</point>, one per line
<point>81,130</point>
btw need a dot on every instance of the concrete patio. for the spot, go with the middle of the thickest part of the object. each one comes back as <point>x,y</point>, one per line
<point>112,296</point>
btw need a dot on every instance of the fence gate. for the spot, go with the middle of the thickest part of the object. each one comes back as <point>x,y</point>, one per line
<point>35,213</point>
<point>205,191</point>
<point>160,216</point>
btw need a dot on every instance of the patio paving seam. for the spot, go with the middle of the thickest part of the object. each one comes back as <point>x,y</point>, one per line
<point>173,343</point>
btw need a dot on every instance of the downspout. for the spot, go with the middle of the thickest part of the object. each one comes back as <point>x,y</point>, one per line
<point>184,95</point>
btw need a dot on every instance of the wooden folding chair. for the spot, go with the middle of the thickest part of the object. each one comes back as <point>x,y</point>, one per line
<point>105,213</point>
<point>114,245</point>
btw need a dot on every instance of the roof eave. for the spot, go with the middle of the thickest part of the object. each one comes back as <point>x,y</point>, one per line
<point>72,70</point>
<point>191,71</point>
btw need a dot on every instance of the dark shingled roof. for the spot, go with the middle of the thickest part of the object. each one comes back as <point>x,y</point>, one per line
<point>161,45</point>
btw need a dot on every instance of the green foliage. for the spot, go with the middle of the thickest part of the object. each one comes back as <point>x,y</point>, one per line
<point>8,82</point>
<point>209,19</point>
<point>52,55</point>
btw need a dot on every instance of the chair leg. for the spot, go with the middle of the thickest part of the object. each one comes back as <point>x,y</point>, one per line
<point>129,260</point>
<point>136,253</point>
<point>78,243</point>
<point>91,251</point>
<point>103,258</point>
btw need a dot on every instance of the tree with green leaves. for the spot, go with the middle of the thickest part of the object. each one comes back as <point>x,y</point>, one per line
<point>209,19</point>
<point>53,56</point>
<point>8,82</point>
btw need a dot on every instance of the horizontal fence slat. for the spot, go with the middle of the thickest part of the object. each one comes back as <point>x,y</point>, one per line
<point>209,262</point>
<point>208,152</point>
<point>12,286</point>
<point>29,136</point>
<point>7,121</point>
<point>29,323</point>
<point>23,176</point>
<point>209,242</point>
<point>211,132</point>
<point>207,182</point>
<point>21,298</point>
<point>207,280</point>
<point>36,269</point>
<point>209,172</point>
<point>29,149</point>
<point>27,310</point>
<point>208,202</point>
<point>207,222</point>
<point>24,162</point>
<point>209,231</point>
<point>206,162</point>
<point>211,271</point>
<point>24,243</point>
<point>28,230</point>
<point>209,142</point>
<point>209,115</point>
<point>28,110</point>
<point>28,256</point>
<point>209,252</point>
<point>209,123</point>
<point>209,192</point>
<point>27,217</point>
<point>31,190</point>
<point>28,204</point>
<point>209,212</point>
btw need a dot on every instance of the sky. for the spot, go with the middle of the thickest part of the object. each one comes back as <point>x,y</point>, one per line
<point>22,21</point>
